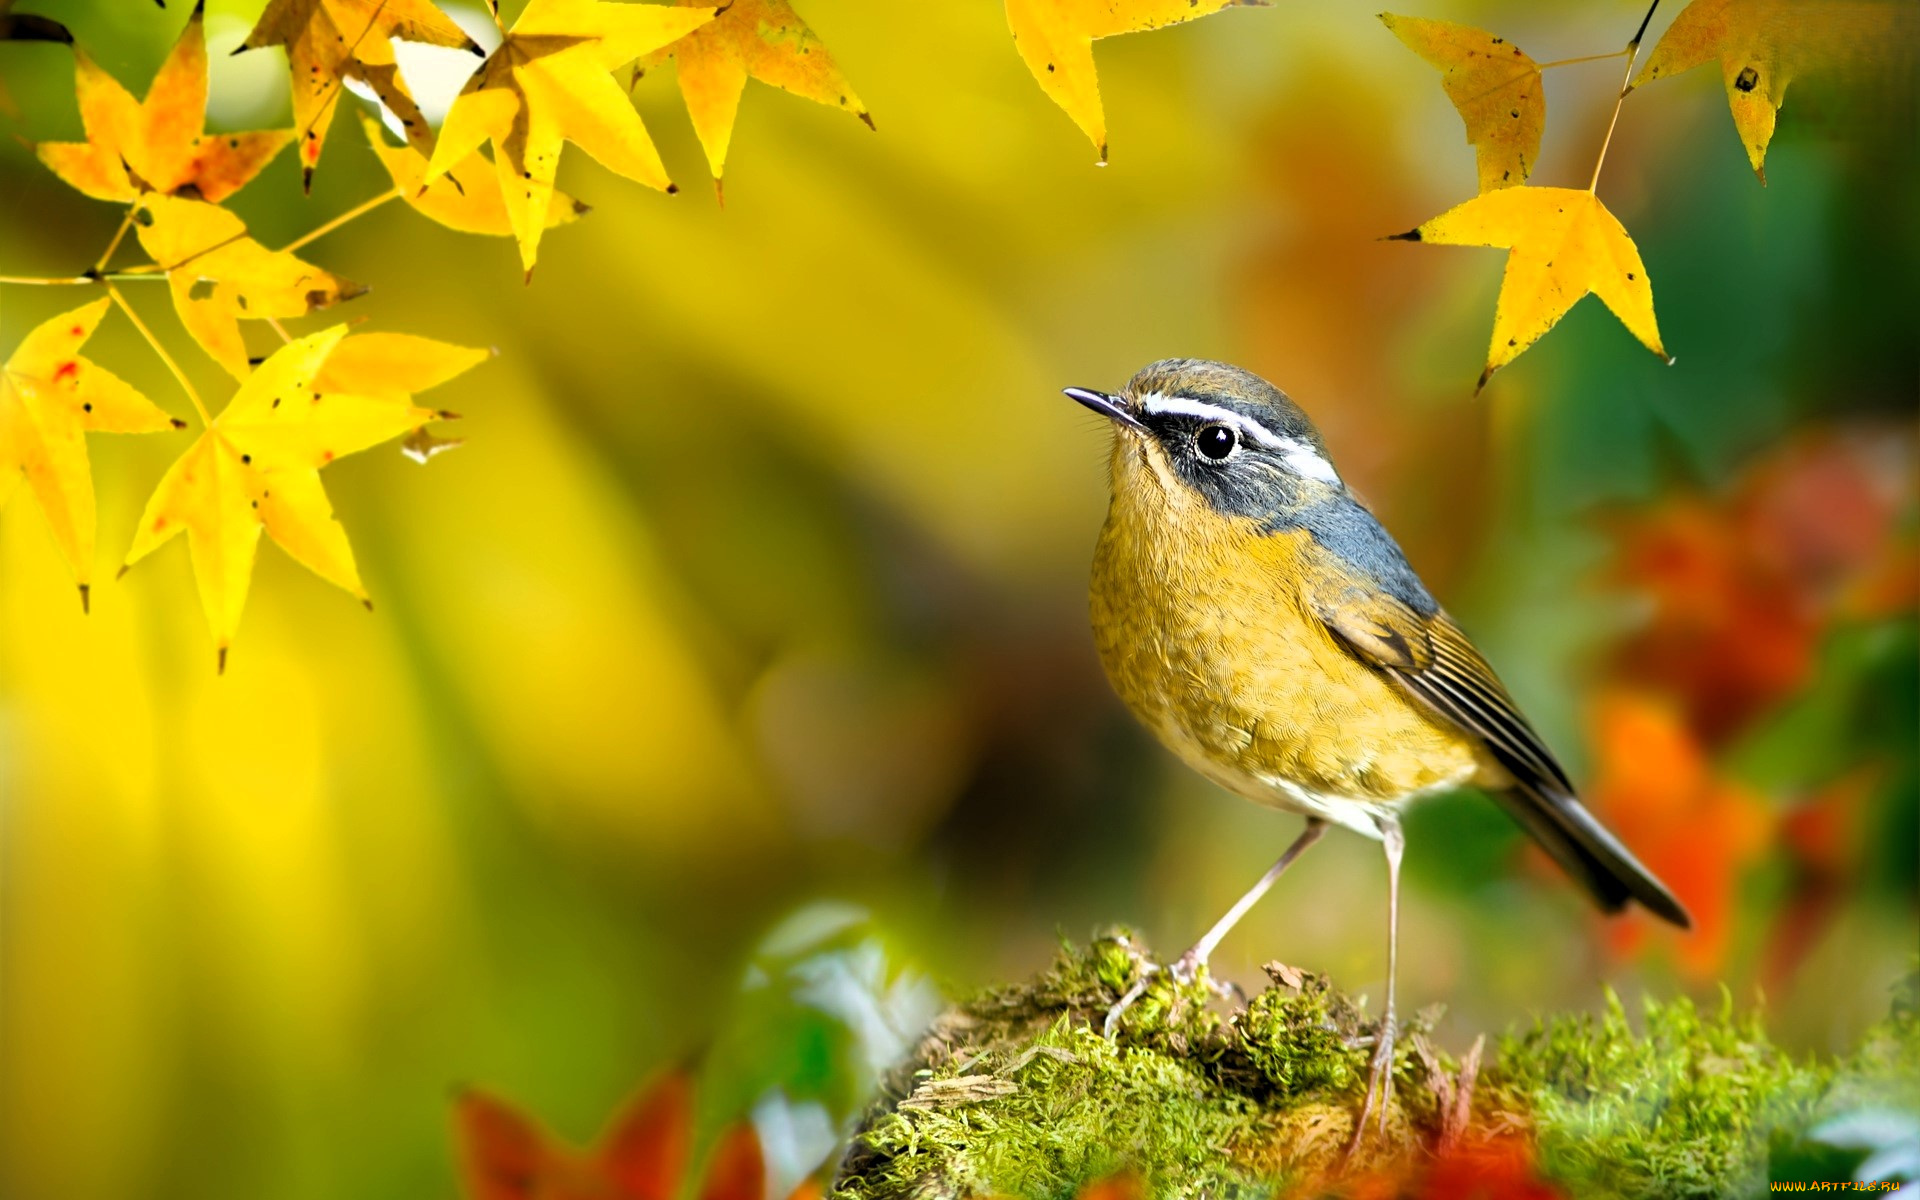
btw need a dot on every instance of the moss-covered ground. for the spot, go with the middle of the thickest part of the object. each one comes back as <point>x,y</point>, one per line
<point>1017,1092</point>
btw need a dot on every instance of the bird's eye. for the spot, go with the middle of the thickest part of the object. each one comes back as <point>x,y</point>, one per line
<point>1216,441</point>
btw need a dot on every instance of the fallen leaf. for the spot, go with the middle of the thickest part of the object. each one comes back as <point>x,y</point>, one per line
<point>257,465</point>
<point>219,276</point>
<point>1495,86</point>
<point>159,143</point>
<point>50,397</point>
<point>1562,243</point>
<point>1656,787</point>
<point>1763,45</point>
<point>1055,38</point>
<point>331,41</point>
<point>466,198</point>
<point>764,39</point>
<point>549,83</point>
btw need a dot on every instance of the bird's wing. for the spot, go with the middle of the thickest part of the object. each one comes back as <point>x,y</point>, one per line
<point>1432,659</point>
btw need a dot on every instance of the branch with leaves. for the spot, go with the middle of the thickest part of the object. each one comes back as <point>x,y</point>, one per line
<point>1563,243</point>
<point>492,167</point>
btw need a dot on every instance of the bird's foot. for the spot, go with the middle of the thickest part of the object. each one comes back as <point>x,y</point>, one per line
<point>1184,970</point>
<point>1379,1084</point>
<point>1111,1025</point>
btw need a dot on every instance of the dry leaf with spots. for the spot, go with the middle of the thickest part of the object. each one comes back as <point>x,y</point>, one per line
<point>762,39</point>
<point>1495,86</point>
<point>257,465</point>
<point>1762,45</point>
<point>1055,38</point>
<point>219,276</point>
<point>159,143</point>
<point>466,198</point>
<point>331,41</point>
<point>1562,243</point>
<point>550,83</point>
<point>505,1155</point>
<point>50,398</point>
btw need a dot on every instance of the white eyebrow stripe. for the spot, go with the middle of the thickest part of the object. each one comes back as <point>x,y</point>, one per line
<point>1157,404</point>
<point>1300,456</point>
<point>1306,461</point>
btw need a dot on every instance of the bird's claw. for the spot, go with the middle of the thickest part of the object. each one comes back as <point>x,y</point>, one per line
<point>1111,1025</point>
<point>1379,1084</point>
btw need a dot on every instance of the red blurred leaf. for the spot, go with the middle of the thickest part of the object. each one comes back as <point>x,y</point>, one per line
<point>1824,837</point>
<point>1741,587</point>
<point>737,1171</point>
<point>503,1155</point>
<point>644,1151</point>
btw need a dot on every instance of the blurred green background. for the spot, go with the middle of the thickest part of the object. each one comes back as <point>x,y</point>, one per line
<point>761,581</point>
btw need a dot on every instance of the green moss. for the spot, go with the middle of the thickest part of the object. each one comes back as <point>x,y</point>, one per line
<point>1016,1091</point>
<point>1684,1108</point>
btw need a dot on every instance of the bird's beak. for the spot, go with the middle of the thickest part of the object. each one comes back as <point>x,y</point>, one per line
<point>1115,407</point>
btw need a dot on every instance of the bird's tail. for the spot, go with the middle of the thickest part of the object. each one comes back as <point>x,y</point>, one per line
<point>1589,853</point>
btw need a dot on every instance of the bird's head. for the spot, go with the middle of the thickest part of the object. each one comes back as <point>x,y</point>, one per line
<point>1189,427</point>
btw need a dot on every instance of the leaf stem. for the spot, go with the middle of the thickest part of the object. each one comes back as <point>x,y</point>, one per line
<point>351,214</point>
<point>1633,55</point>
<point>1584,58</point>
<point>126,223</point>
<point>77,280</point>
<point>186,385</point>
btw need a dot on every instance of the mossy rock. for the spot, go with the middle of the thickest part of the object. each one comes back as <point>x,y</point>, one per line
<point>1018,1092</point>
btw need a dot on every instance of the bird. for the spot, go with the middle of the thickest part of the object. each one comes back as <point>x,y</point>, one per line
<point>1256,616</point>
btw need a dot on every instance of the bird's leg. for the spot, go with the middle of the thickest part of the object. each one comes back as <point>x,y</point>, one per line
<point>1188,965</point>
<point>1380,1072</point>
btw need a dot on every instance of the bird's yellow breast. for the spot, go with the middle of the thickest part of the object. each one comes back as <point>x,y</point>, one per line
<point>1203,626</point>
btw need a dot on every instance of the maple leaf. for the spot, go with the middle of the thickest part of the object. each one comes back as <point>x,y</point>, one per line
<point>159,143</point>
<point>643,1155</point>
<point>1562,243</point>
<point>331,41</point>
<point>1697,831</point>
<point>1762,45</point>
<point>549,83</point>
<point>764,39</point>
<point>50,397</point>
<point>1055,38</point>
<point>257,465</point>
<point>1495,86</point>
<point>466,198</point>
<point>219,276</point>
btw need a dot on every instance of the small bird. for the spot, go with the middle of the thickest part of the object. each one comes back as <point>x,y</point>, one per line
<point>1264,625</point>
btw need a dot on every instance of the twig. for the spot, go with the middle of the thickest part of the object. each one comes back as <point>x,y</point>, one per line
<point>1633,54</point>
<point>76,280</point>
<point>353,213</point>
<point>179,376</point>
<point>106,256</point>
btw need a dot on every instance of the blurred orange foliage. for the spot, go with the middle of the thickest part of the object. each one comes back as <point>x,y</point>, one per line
<point>1479,1167</point>
<point>1696,830</point>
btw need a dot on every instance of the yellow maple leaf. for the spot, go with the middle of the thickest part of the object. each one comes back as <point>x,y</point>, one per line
<point>159,143</point>
<point>219,276</point>
<point>257,464</point>
<point>1562,243</point>
<point>549,83</point>
<point>1761,45</point>
<point>331,41</point>
<point>1056,38</point>
<point>764,39</point>
<point>466,198</point>
<point>50,397</point>
<point>1495,86</point>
